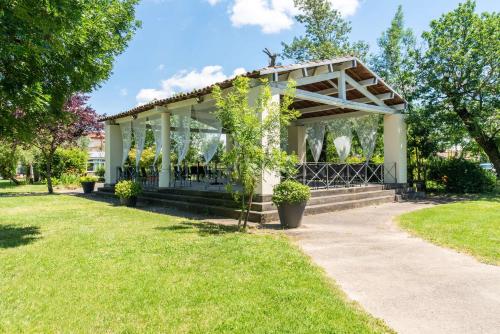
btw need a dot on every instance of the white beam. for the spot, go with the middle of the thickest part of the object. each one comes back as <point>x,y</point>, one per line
<point>401,106</point>
<point>323,99</point>
<point>368,82</point>
<point>364,91</point>
<point>310,120</point>
<point>342,88</point>
<point>382,97</point>
<point>316,78</point>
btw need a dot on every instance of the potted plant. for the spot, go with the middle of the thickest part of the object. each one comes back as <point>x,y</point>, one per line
<point>291,197</point>
<point>128,191</point>
<point>88,183</point>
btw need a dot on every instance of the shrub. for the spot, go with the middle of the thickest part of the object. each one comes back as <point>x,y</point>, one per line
<point>69,161</point>
<point>100,171</point>
<point>290,191</point>
<point>68,179</point>
<point>461,176</point>
<point>127,189</point>
<point>89,178</point>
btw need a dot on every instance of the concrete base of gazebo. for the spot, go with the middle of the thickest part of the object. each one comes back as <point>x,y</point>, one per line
<point>219,203</point>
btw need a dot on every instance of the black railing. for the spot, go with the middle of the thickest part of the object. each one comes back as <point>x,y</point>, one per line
<point>330,175</point>
<point>148,178</point>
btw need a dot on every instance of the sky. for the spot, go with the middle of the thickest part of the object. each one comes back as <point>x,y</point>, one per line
<point>189,44</point>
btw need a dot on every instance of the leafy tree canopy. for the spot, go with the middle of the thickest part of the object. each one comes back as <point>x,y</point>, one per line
<point>52,49</point>
<point>78,119</point>
<point>460,73</point>
<point>326,34</point>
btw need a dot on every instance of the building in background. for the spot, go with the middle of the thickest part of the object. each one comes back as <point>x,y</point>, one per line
<point>96,151</point>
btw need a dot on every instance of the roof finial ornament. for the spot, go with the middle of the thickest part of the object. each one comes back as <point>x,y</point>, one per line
<point>272,57</point>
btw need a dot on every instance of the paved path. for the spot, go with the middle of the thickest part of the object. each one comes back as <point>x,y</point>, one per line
<point>416,287</point>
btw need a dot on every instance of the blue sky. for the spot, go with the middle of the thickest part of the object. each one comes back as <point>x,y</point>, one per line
<point>188,44</point>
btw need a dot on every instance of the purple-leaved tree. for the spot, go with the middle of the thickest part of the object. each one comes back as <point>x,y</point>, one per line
<point>77,120</point>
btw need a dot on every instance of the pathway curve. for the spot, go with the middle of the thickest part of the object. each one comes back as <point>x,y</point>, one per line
<point>415,286</point>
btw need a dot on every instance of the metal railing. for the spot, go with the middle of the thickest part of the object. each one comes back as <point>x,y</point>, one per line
<point>148,178</point>
<point>330,175</point>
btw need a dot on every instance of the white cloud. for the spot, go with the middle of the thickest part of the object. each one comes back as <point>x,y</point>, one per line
<point>213,2</point>
<point>275,15</point>
<point>185,81</point>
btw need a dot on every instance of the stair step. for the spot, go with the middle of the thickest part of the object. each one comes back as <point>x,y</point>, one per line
<point>330,207</point>
<point>322,201</point>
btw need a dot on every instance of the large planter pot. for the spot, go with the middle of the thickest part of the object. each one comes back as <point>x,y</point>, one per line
<point>291,214</point>
<point>129,201</point>
<point>88,187</point>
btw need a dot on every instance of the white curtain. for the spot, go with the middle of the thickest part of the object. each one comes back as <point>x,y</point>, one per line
<point>139,126</point>
<point>341,130</point>
<point>366,128</point>
<point>182,133</point>
<point>315,135</point>
<point>126,130</point>
<point>156,127</point>
<point>210,135</point>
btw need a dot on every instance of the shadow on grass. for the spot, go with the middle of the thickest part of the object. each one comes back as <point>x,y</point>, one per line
<point>26,194</point>
<point>202,228</point>
<point>15,236</point>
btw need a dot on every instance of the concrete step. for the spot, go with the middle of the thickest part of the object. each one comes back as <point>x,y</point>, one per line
<point>346,205</point>
<point>326,200</point>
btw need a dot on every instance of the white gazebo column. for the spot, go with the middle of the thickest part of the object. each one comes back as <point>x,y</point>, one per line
<point>113,152</point>
<point>395,149</point>
<point>268,179</point>
<point>297,141</point>
<point>164,180</point>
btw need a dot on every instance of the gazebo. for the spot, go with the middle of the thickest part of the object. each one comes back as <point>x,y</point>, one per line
<point>342,96</point>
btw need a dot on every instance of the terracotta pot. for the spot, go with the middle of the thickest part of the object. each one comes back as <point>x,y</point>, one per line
<point>130,201</point>
<point>291,214</point>
<point>88,187</point>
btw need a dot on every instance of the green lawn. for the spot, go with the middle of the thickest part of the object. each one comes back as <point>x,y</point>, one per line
<point>470,226</point>
<point>76,265</point>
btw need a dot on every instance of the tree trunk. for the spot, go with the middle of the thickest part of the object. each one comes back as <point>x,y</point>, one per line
<point>250,200</point>
<point>13,179</point>
<point>49,178</point>
<point>487,144</point>
<point>242,209</point>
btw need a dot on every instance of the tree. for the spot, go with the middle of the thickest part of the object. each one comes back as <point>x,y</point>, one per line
<point>250,125</point>
<point>51,49</point>
<point>326,34</point>
<point>77,119</point>
<point>461,69</point>
<point>397,63</point>
<point>9,156</point>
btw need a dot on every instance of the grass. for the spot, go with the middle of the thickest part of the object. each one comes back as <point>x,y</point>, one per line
<point>73,265</point>
<point>470,226</point>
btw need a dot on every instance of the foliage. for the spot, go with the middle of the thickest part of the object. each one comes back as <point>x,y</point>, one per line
<point>254,127</point>
<point>127,189</point>
<point>53,49</point>
<point>69,179</point>
<point>100,171</point>
<point>147,157</point>
<point>88,178</point>
<point>66,160</point>
<point>461,74</point>
<point>290,192</point>
<point>77,120</point>
<point>461,176</point>
<point>467,226</point>
<point>326,34</point>
<point>9,156</point>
